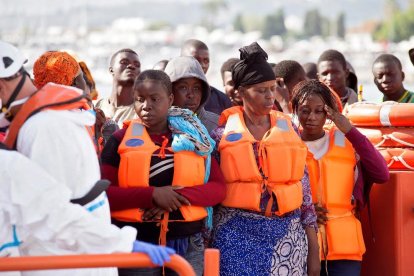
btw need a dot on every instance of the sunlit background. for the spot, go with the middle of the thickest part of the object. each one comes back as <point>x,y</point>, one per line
<point>294,29</point>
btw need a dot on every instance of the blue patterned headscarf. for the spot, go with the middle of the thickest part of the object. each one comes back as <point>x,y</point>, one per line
<point>190,134</point>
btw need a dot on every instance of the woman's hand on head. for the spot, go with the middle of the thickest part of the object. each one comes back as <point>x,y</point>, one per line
<point>341,122</point>
<point>167,199</point>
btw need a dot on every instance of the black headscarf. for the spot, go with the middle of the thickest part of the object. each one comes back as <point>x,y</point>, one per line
<point>253,67</point>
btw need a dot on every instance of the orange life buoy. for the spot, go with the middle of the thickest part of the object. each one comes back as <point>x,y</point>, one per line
<point>398,158</point>
<point>384,114</point>
<point>390,136</point>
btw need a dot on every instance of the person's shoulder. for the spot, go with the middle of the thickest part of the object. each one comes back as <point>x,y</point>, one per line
<point>411,97</point>
<point>55,120</point>
<point>211,116</point>
<point>102,101</point>
<point>219,93</point>
<point>353,97</point>
<point>43,119</point>
<point>215,90</point>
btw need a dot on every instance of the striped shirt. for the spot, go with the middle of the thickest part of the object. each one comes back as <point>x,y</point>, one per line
<point>407,97</point>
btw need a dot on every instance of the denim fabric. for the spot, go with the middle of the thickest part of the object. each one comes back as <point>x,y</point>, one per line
<point>194,255</point>
<point>341,268</point>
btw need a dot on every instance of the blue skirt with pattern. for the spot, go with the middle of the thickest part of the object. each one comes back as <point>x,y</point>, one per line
<point>252,244</point>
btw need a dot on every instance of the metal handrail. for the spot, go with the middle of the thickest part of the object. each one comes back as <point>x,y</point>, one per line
<point>177,263</point>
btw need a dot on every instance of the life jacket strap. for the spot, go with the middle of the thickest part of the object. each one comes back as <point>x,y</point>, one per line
<point>96,190</point>
<point>164,229</point>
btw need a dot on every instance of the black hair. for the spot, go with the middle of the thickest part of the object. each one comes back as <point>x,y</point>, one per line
<point>154,75</point>
<point>388,58</point>
<point>332,55</point>
<point>228,66</point>
<point>311,70</point>
<point>306,88</point>
<point>125,50</point>
<point>193,43</point>
<point>287,69</point>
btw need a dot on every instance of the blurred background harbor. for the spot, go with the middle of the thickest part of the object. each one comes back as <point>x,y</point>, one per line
<point>295,29</point>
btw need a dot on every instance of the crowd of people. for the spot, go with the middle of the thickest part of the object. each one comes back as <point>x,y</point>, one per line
<point>251,170</point>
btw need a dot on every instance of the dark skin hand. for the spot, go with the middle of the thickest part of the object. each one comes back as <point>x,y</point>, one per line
<point>321,213</point>
<point>167,199</point>
<point>153,214</point>
<point>341,122</point>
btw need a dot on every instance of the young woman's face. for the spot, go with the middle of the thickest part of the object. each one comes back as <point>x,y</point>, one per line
<point>259,97</point>
<point>312,116</point>
<point>188,93</point>
<point>151,102</point>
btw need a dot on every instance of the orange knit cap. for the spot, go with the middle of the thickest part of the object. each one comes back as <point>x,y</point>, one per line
<point>54,66</point>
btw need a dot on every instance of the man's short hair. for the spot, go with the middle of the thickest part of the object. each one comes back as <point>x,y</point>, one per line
<point>125,50</point>
<point>192,43</point>
<point>287,69</point>
<point>388,58</point>
<point>228,66</point>
<point>332,55</point>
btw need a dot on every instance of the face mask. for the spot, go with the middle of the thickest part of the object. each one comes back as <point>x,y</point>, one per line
<point>4,122</point>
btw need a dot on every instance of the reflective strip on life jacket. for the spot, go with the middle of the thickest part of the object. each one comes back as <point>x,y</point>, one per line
<point>136,150</point>
<point>282,157</point>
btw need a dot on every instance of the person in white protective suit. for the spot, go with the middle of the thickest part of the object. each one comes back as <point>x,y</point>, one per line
<point>36,217</point>
<point>50,127</point>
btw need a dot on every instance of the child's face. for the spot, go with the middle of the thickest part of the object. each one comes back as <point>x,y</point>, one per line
<point>388,77</point>
<point>152,102</point>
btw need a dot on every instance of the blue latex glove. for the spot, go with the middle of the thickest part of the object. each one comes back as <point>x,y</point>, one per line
<point>158,254</point>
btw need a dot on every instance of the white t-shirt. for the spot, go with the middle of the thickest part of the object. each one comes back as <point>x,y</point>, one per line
<point>118,114</point>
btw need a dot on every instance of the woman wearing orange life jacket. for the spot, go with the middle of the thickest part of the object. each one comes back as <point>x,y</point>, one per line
<point>262,225</point>
<point>342,166</point>
<point>161,176</point>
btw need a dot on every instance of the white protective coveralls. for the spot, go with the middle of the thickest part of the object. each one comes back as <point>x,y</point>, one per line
<point>58,141</point>
<point>36,218</point>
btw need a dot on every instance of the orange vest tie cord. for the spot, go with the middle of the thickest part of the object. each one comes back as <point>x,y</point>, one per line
<point>51,96</point>
<point>245,180</point>
<point>341,237</point>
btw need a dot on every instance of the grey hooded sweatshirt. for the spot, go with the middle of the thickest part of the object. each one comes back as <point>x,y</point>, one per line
<point>188,67</point>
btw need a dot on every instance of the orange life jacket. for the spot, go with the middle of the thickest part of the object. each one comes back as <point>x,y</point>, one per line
<point>332,183</point>
<point>51,96</point>
<point>282,157</point>
<point>135,151</point>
